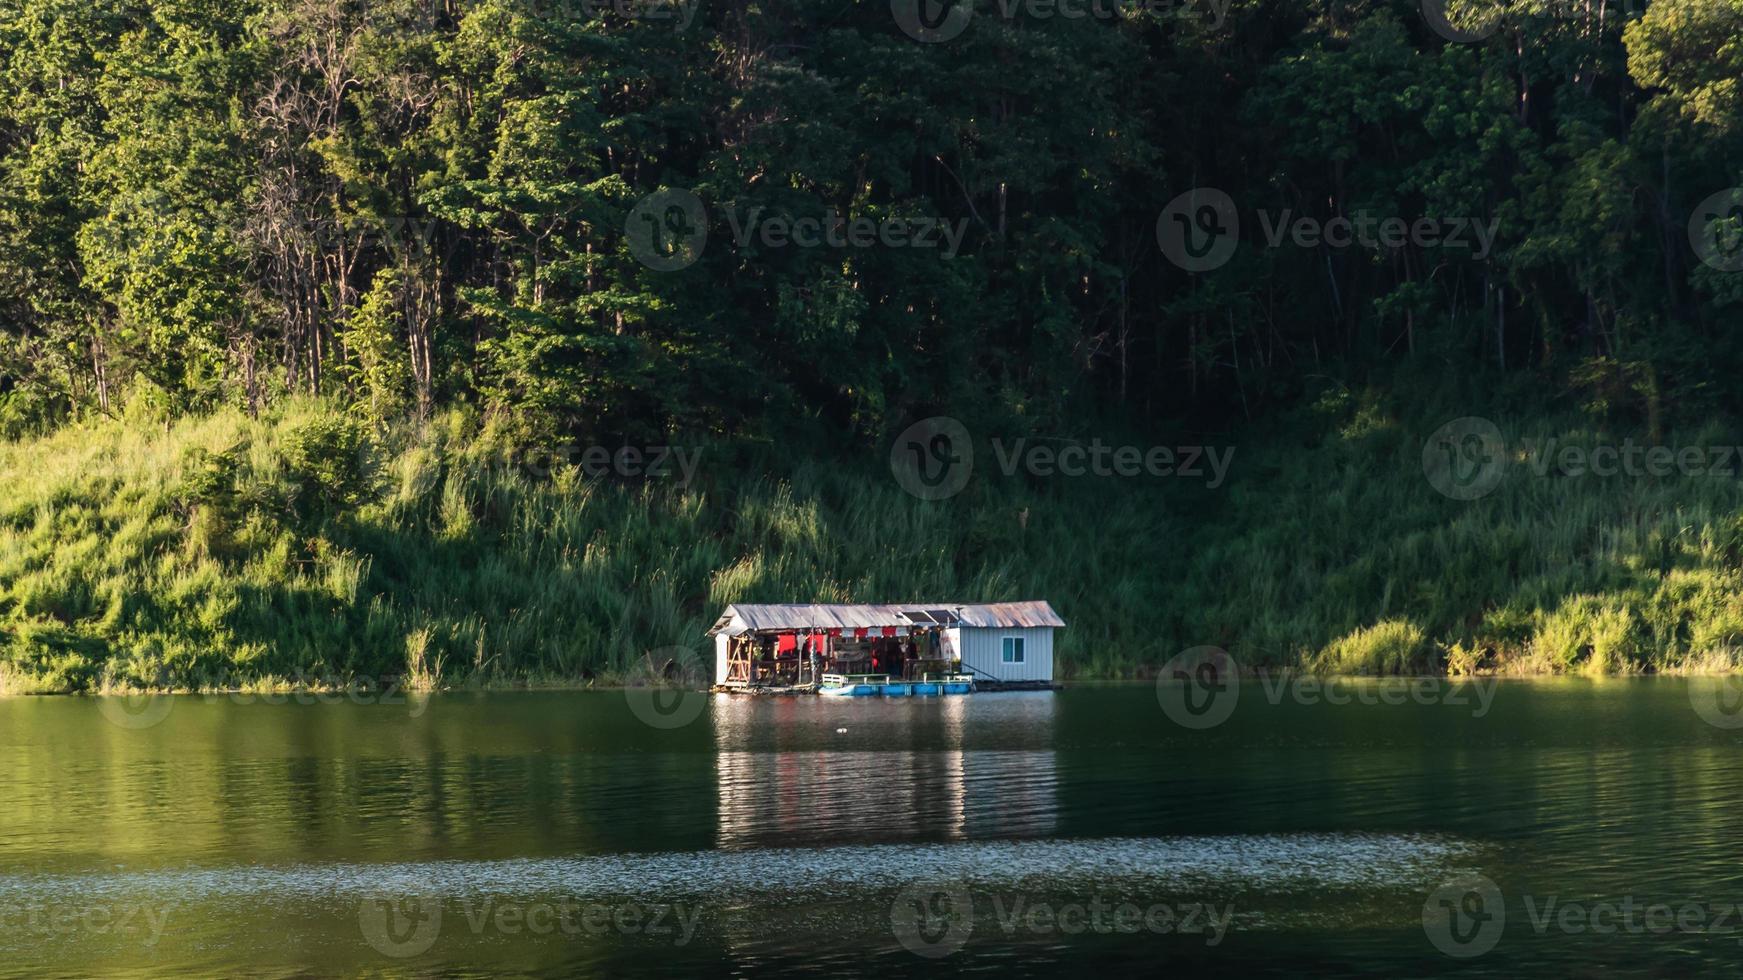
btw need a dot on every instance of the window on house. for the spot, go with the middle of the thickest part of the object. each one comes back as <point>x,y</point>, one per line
<point>1013,652</point>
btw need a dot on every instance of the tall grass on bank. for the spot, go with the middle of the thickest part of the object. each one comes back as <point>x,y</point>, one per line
<point>222,550</point>
<point>226,550</point>
<point>1333,547</point>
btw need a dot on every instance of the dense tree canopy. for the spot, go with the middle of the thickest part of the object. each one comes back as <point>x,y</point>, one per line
<point>411,203</point>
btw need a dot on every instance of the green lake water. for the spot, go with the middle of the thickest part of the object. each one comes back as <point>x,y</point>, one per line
<point>1549,828</point>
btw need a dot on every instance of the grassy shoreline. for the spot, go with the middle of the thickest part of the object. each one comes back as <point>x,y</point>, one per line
<point>149,553</point>
<point>619,686</point>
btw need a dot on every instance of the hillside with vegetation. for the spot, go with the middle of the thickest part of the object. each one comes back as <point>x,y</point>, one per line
<point>299,298</point>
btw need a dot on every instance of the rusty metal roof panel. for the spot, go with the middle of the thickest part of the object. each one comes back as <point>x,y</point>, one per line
<point>1013,615</point>
<point>742,618</point>
<point>780,617</point>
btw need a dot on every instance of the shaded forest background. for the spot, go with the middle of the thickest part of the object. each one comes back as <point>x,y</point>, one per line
<point>315,260</point>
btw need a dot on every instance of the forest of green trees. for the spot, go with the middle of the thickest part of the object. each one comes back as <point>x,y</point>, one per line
<point>403,204</point>
<point>270,233</point>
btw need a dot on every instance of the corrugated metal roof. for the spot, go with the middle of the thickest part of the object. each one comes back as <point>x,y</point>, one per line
<point>1010,614</point>
<point>745,617</point>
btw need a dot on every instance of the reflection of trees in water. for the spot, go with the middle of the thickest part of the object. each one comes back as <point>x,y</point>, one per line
<point>974,767</point>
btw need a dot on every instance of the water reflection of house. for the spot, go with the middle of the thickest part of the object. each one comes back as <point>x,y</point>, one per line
<point>1008,644</point>
<point>910,770</point>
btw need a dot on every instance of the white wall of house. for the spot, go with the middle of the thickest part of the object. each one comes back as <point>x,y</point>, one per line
<point>984,650</point>
<point>720,644</point>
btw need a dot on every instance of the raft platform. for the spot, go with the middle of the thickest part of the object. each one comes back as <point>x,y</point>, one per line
<point>883,685</point>
<point>864,685</point>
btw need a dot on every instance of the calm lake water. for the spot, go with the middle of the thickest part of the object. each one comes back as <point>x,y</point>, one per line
<point>1546,827</point>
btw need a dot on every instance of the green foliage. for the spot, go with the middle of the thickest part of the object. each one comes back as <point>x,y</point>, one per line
<point>243,550</point>
<point>379,369</point>
<point>344,251</point>
<point>190,197</point>
<point>1390,647</point>
<point>327,457</point>
<point>1330,541</point>
<point>145,557</point>
<point>1692,51</point>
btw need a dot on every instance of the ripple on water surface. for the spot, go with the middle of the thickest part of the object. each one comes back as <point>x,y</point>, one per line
<point>1263,863</point>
